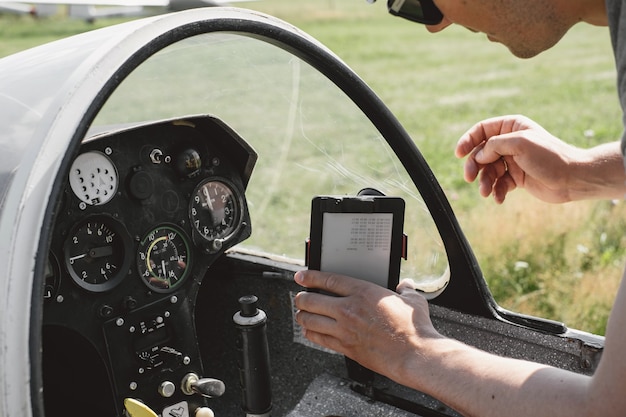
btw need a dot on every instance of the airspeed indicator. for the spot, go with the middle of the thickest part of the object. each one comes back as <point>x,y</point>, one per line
<point>163,258</point>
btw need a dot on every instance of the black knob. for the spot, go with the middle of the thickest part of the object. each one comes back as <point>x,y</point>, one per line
<point>105,311</point>
<point>129,302</point>
<point>140,185</point>
<point>248,305</point>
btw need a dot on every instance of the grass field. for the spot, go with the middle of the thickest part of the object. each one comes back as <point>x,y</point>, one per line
<point>559,261</point>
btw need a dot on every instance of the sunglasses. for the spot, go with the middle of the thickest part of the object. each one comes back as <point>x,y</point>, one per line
<point>420,11</point>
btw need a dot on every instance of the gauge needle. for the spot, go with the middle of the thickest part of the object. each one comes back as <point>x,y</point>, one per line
<point>73,258</point>
<point>163,268</point>
<point>205,191</point>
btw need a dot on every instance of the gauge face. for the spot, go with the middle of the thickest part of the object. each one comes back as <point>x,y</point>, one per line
<point>93,178</point>
<point>163,258</point>
<point>95,253</point>
<point>215,210</point>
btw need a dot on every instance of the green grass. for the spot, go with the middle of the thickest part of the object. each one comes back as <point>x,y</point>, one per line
<point>559,261</point>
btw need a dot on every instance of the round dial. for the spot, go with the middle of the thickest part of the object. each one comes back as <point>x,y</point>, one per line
<point>93,178</point>
<point>215,210</point>
<point>163,258</point>
<point>95,253</point>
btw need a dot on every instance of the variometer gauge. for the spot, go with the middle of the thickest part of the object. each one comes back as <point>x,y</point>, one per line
<point>215,211</point>
<point>96,253</point>
<point>93,178</point>
<point>163,259</point>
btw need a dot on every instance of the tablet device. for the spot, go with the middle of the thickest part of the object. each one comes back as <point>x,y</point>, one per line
<point>358,236</point>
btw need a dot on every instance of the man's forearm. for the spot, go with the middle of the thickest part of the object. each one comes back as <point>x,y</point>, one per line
<point>476,383</point>
<point>600,175</point>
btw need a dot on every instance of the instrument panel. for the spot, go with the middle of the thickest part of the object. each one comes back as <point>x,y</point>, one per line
<point>145,211</point>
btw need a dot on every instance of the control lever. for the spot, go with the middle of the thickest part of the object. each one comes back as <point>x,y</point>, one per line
<point>254,358</point>
<point>207,387</point>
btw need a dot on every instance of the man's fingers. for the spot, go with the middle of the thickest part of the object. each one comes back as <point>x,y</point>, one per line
<point>503,186</point>
<point>486,158</point>
<point>407,285</point>
<point>485,130</point>
<point>471,167</point>
<point>321,304</point>
<point>325,340</point>
<point>467,144</point>
<point>329,282</point>
<point>315,322</point>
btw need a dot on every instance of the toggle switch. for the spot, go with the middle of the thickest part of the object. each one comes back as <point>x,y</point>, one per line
<point>207,387</point>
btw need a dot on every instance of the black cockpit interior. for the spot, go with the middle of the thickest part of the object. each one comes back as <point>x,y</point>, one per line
<point>145,213</point>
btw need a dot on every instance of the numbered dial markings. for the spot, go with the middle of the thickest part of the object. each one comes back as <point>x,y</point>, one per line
<point>163,258</point>
<point>95,254</point>
<point>215,210</point>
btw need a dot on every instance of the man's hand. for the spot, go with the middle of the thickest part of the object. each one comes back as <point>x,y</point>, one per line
<point>374,326</point>
<point>513,151</point>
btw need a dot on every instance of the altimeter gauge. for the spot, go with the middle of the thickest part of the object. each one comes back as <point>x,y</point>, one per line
<point>215,211</point>
<point>163,259</point>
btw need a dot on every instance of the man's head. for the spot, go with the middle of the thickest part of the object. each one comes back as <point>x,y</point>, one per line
<point>419,11</point>
<point>526,27</point>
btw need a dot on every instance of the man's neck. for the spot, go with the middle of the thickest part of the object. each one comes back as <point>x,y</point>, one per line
<point>588,11</point>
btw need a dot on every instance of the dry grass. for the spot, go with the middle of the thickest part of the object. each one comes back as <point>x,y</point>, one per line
<point>563,262</point>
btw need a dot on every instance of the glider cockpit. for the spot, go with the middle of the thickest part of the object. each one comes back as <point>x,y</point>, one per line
<point>156,182</point>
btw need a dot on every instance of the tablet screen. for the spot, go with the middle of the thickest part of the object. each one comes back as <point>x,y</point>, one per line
<point>358,236</point>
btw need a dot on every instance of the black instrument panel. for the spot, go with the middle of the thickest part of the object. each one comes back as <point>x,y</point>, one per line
<point>145,211</point>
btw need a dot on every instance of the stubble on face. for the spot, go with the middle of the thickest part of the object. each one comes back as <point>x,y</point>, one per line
<point>528,28</point>
<point>525,27</point>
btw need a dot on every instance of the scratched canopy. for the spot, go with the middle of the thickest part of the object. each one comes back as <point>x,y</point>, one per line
<point>317,129</point>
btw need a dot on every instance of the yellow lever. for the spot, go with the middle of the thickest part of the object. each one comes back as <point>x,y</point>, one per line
<point>136,408</point>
